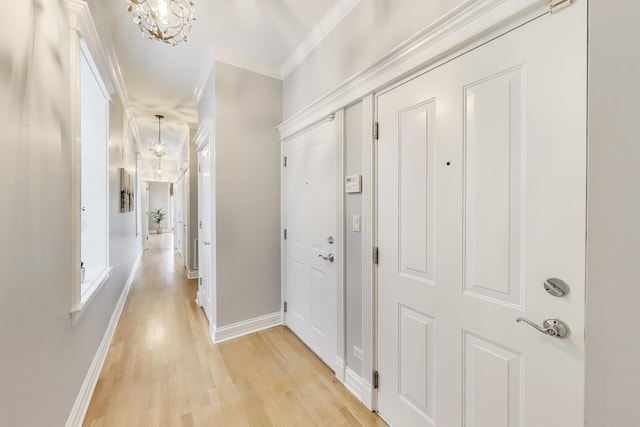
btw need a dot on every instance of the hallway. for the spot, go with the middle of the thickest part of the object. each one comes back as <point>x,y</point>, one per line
<point>162,369</point>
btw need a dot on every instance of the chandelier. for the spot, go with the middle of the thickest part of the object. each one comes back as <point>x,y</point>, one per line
<point>166,20</point>
<point>159,172</point>
<point>159,148</point>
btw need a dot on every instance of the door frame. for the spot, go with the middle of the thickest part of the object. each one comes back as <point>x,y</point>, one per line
<point>338,365</point>
<point>466,27</point>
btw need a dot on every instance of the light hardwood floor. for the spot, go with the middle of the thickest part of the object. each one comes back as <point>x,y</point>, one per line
<point>163,370</point>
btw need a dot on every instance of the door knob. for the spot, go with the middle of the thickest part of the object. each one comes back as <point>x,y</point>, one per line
<point>327,258</point>
<point>552,327</point>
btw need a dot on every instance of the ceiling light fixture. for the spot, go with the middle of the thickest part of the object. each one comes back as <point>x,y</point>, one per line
<point>159,148</point>
<point>159,173</point>
<point>166,20</point>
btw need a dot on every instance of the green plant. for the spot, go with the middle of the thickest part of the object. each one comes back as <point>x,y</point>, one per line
<point>157,215</point>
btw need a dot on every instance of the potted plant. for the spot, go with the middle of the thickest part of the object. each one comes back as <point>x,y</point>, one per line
<point>157,215</point>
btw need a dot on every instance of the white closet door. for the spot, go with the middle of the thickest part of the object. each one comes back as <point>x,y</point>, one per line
<point>482,182</point>
<point>311,284</point>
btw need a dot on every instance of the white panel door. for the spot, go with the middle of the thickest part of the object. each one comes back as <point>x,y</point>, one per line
<point>482,182</point>
<point>311,284</point>
<point>205,232</point>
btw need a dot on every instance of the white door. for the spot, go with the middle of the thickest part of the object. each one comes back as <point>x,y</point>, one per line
<point>205,234</point>
<point>178,230</point>
<point>311,274</point>
<point>481,168</point>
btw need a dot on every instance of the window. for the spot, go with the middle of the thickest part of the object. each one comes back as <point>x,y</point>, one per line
<point>94,167</point>
<point>90,192</point>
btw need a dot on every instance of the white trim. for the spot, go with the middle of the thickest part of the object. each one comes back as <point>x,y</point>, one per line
<point>331,20</point>
<point>369,240</point>
<point>235,330</point>
<point>468,25</point>
<point>340,369</point>
<point>354,383</point>
<point>192,274</point>
<point>340,244</point>
<point>79,410</point>
<point>89,294</point>
<point>205,130</point>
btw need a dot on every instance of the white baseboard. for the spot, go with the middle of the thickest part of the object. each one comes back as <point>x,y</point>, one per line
<point>79,410</point>
<point>235,330</point>
<point>339,370</point>
<point>192,274</point>
<point>353,383</point>
<point>368,395</point>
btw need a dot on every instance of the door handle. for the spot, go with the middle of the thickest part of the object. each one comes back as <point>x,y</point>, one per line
<point>206,243</point>
<point>327,258</point>
<point>552,327</point>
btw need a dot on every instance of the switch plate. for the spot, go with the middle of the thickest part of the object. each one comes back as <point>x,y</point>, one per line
<point>355,226</point>
<point>357,353</point>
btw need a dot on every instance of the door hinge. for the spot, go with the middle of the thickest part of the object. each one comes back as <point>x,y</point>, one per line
<point>200,224</point>
<point>284,306</point>
<point>375,379</point>
<point>557,5</point>
<point>375,130</point>
<point>285,234</point>
<point>284,161</point>
<point>376,254</point>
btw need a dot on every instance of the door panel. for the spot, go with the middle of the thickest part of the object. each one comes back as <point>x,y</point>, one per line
<point>481,198</point>
<point>311,284</point>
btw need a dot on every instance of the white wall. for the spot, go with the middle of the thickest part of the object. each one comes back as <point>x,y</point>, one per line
<point>248,108</point>
<point>43,358</point>
<point>159,199</point>
<point>370,30</point>
<point>613,251</point>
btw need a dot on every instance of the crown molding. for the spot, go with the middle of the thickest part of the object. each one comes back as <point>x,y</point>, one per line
<point>335,15</point>
<point>467,26</point>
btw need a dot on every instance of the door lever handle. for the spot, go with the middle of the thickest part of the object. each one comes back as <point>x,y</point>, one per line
<point>327,258</point>
<point>206,243</point>
<point>552,327</point>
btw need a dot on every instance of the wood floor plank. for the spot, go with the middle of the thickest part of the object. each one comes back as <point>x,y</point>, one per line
<point>163,370</point>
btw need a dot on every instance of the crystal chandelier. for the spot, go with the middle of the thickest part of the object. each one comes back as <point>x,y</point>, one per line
<point>159,148</point>
<point>166,20</point>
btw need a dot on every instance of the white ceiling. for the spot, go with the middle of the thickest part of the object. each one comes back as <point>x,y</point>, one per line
<point>259,35</point>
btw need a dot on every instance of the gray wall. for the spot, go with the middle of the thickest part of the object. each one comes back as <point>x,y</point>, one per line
<point>613,250</point>
<point>43,359</point>
<point>353,240</point>
<point>159,199</point>
<point>371,29</point>
<point>248,108</point>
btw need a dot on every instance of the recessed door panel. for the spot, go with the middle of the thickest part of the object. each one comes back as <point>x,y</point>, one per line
<point>416,361</point>
<point>493,186</point>
<point>488,366</point>
<point>415,142</point>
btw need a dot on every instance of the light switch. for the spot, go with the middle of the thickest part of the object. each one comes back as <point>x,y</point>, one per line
<point>356,223</point>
